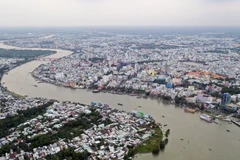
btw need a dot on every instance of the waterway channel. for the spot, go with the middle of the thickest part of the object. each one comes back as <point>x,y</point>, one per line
<point>200,140</point>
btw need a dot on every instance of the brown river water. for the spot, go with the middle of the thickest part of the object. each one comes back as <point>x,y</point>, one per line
<point>201,140</point>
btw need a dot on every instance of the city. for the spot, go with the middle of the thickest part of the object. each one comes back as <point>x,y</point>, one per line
<point>145,67</point>
<point>119,80</point>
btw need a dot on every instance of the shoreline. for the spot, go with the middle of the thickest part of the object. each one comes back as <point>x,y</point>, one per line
<point>21,96</point>
<point>164,99</point>
<point>115,91</point>
<point>142,95</point>
<point>181,123</point>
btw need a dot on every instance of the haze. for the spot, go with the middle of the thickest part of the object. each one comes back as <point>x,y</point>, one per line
<point>119,13</point>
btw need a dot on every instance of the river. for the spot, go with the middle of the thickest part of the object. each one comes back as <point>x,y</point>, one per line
<point>201,140</point>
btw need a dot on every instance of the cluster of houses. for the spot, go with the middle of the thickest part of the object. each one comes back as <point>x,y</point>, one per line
<point>9,104</point>
<point>187,68</point>
<point>102,141</point>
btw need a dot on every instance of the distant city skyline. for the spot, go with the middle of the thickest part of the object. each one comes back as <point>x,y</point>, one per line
<point>32,13</point>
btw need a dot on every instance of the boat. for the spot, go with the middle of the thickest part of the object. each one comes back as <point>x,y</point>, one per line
<point>93,103</point>
<point>81,87</point>
<point>95,91</point>
<point>189,110</point>
<point>145,97</point>
<point>231,108</point>
<point>120,104</point>
<point>173,102</point>
<point>35,85</point>
<point>226,119</point>
<point>206,118</point>
<point>106,105</point>
<point>223,118</point>
<point>147,92</point>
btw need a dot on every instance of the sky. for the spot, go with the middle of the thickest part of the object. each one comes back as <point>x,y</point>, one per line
<point>119,13</point>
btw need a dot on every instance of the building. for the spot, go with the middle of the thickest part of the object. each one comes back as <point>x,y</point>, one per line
<point>76,46</point>
<point>203,98</point>
<point>226,98</point>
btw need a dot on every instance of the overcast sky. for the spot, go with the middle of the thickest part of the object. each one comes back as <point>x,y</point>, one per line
<point>119,12</point>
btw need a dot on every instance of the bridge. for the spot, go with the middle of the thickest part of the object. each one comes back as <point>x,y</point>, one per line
<point>46,59</point>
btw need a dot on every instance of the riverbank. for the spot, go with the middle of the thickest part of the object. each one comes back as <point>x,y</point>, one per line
<point>130,129</point>
<point>152,143</point>
<point>184,90</point>
<point>183,125</point>
<point>8,48</point>
<point>141,94</point>
<point>20,96</point>
<point>151,138</point>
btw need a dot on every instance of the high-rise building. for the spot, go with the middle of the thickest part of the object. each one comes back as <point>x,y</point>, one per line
<point>76,47</point>
<point>136,67</point>
<point>226,99</point>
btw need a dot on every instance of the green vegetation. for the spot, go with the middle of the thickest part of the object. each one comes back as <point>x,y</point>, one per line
<point>68,131</point>
<point>230,79</point>
<point>167,133</point>
<point>131,153</point>
<point>23,116</point>
<point>2,70</point>
<point>6,149</point>
<point>68,154</point>
<point>216,94</point>
<point>152,143</point>
<point>163,144</point>
<point>5,68</point>
<point>156,150</point>
<point>231,90</point>
<point>27,54</point>
<point>180,100</point>
<point>166,141</point>
<point>95,59</point>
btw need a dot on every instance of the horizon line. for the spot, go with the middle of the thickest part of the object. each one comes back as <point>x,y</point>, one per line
<point>91,26</point>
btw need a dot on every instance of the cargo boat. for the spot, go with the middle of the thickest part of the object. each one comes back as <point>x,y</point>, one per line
<point>189,110</point>
<point>81,87</point>
<point>223,118</point>
<point>93,103</point>
<point>206,118</point>
<point>95,91</point>
<point>231,108</point>
<point>106,105</point>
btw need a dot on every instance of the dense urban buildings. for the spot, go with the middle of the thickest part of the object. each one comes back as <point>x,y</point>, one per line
<point>199,72</point>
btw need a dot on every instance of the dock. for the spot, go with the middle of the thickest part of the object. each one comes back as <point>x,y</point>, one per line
<point>235,122</point>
